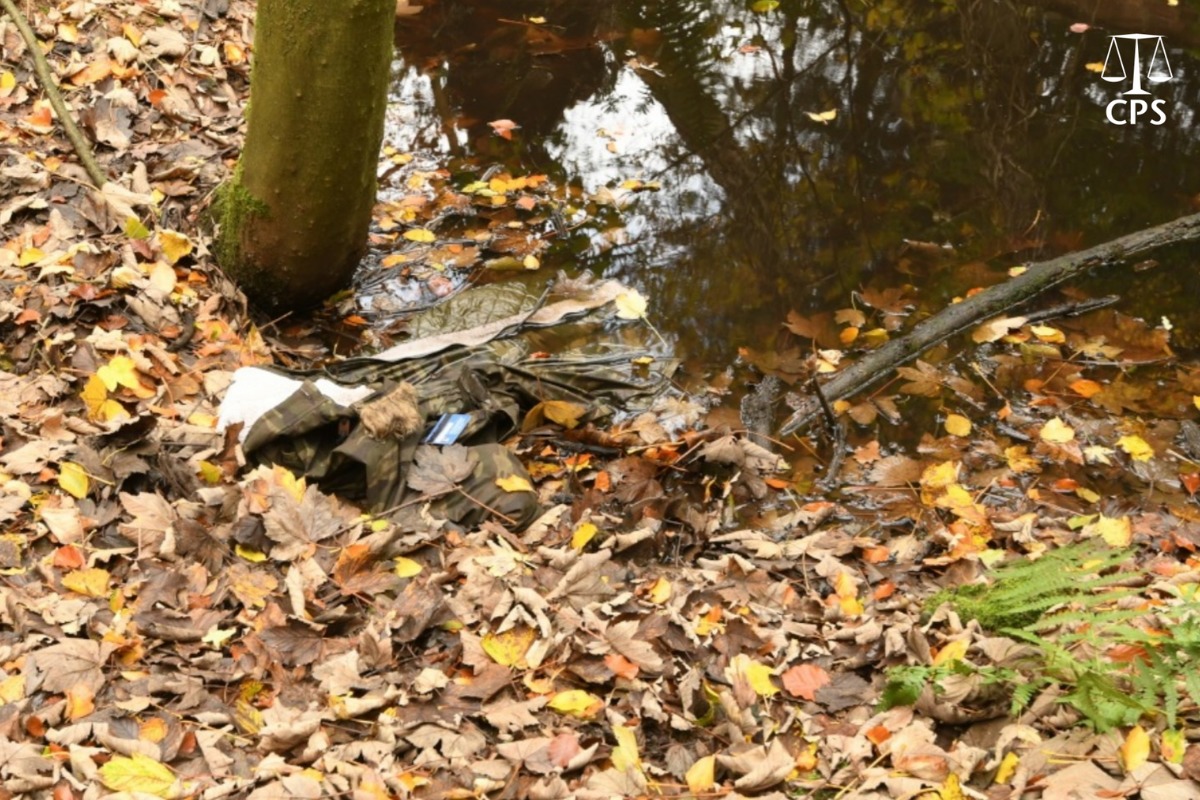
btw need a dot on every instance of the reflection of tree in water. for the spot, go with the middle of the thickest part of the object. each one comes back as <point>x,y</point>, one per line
<point>973,122</point>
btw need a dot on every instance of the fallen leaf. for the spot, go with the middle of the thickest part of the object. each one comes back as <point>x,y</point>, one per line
<point>508,649</point>
<point>503,127</point>
<point>88,582</point>
<point>73,479</point>
<point>514,483</point>
<point>701,776</point>
<point>823,117</point>
<point>1135,750</point>
<point>420,235</point>
<point>577,703</point>
<point>803,680</point>
<point>1056,432</point>
<point>138,774</point>
<point>957,425</point>
<point>1137,447</point>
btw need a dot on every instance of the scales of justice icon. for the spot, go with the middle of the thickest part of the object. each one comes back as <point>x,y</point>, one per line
<point>1156,72</point>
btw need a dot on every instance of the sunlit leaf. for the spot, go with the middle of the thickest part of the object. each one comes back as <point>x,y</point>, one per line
<point>1008,768</point>
<point>508,649</point>
<point>1094,66</point>
<point>73,479</point>
<point>823,117</point>
<point>138,774</point>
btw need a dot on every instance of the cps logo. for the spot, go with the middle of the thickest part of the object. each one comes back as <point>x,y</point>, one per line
<point>1124,111</point>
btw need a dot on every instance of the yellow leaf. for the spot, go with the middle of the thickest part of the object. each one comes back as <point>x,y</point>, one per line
<point>210,473</point>
<point>1137,447</point>
<point>940,476</point>
<point>1196,401</point>
<point>30,255</point>
<point>8,82</point>
<point>1008,768</point>
<point>530,262</point>
<point>563,412</point>
<point>250,554</point>
<point>576,703</point>
<point>625,755</point>
<point>757,675</point>
<point>1056,432</point>
<point>121,371</point>
<point>1116,531</point>
<point>583,534</point>
<point>138,774</point>
<point>508,649</point>
<point>406,567</point>
<point>958,425</point>
<point>420,235</point>
<point>1135,749</point>
<point>1048,334</point>
<point>1094,66</point>
<point>701,776</point>
<point>660,591</point>
<point>73,479</point>
<point>823,117</point>
<point>174,245</point>
<point>99,407</point>
<point>88,582</point>
<point>80,701</point>
<point>135,229</point>
<point>952,652</point>
<point>1173,745</point>
<point>289,482</point>
<point>951,789</point>
<point>630,305</point>
<point>12,688</point>
<point>514,483</point>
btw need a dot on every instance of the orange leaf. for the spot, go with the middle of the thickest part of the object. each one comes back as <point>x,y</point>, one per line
<point>503,127</point>
<point>621,666</point>
<point>803,680</point>
<point>1085,388</point>
<point>878,734</point>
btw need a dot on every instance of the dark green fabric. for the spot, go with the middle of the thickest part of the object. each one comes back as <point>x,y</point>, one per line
<point>495,384</point>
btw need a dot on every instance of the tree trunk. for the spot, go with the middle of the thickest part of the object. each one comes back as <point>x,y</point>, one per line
<point>295,214</point>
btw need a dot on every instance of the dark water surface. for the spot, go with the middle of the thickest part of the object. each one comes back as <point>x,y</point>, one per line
<point>974,126</point>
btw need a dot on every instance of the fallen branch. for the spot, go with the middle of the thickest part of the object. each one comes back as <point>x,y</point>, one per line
<point>877,365</point>
<point>46,78</point>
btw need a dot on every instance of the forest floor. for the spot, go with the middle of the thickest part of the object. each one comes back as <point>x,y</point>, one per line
<point>690,615</point>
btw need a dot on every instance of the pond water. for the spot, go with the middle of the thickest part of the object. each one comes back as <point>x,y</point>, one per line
<point>807,152</point>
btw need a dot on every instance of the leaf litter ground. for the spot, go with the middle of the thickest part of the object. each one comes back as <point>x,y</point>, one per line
<point>691,615</point>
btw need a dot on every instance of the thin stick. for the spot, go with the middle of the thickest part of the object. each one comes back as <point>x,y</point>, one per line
<point>46,78</point>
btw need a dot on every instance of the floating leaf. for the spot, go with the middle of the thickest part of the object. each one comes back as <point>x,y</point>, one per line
<point>630,305</point>
<point>958,425</point>
<point>508,649</point>
<point>764,6</point>
<point>1056,432</point>
<point>823,117</point>
<point>1085,388</point>
<point>73,479</point>
<point>503,127</point>
<point>420,235</point>
<point>576,703</point>
<point>138,774</point>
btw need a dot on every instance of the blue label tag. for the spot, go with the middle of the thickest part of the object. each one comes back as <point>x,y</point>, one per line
<point>448,428</point>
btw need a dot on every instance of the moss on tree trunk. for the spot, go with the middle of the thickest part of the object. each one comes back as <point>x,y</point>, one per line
<point>294,217</point>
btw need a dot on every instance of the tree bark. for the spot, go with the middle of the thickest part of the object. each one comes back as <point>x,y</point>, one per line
<point>293,219</point>
<point>879,364</point>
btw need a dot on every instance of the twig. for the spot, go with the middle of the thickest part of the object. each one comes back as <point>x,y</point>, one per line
<point>837,434</point>
<point>46,78</point>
